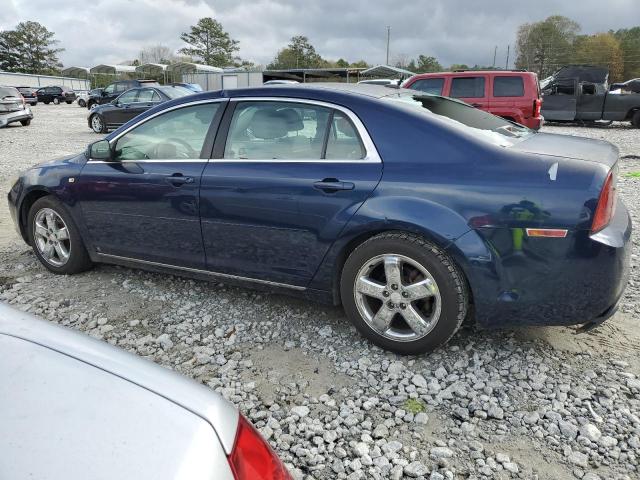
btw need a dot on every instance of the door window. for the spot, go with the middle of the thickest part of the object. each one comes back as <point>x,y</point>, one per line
<point>343,142</point>
<point>128,97</point>
<point>177,134</point>
<point>148,95</point>
<point>508,87</point>
<point>467,87</point>
<point>277,130</point>
<point>110,89</point>
<point>121,87</point>
<point>429,85</point>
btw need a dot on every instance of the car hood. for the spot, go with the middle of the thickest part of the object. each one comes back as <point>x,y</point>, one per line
<point>76,158</point>
<point>567,146</point>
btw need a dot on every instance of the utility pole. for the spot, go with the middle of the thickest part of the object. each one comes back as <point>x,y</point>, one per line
<point>506,67</point>
<point>495,52</point>
<point>388,36</point>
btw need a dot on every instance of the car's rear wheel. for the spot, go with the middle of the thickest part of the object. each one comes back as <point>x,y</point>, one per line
<point>635,120</point>
<point>68,102</point>
<point>46,102</point>
<point>403,293</point>
<point>55,238</point>
<point>26,123</point>
<point>97,124</point>
<point>82,103</point>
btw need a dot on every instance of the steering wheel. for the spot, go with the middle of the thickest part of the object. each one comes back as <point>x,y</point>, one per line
<point>191,152</point>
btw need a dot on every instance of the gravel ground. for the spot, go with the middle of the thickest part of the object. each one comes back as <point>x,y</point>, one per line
<point>530,403</point>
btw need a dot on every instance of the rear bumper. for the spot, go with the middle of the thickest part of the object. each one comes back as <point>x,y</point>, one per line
<point>548,281</point>
<point>534,123</point>
<point>11,117</point>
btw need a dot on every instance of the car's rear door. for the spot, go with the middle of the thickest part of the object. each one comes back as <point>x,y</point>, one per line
<point>285,178</point>
<point>472,89</point>
<point>143,204</point>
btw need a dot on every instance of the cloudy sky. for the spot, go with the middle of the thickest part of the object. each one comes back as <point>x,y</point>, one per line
<point>454,31</point>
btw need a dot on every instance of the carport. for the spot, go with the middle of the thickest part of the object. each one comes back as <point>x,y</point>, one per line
<point>155,69</point>
<point>313,74</point>
<point>180,68</point>
<point>76,72</point>
<point>387,71</point>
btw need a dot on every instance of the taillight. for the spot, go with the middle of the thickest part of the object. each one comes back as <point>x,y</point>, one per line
<point>537,107</point>
<point>606,204</point>
<point>252,458</point>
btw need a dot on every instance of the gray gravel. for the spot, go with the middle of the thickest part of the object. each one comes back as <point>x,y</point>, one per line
<point>530,403</point>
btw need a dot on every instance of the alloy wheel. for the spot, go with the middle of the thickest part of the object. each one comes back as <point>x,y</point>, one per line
<point>51,237</point>
<point>397,297</point>
<point>96,123</point>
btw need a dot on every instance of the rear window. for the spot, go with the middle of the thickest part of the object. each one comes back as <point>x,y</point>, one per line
<point>467,87</point>
<point>478,123</point>
<point>8,92</point>
<point>508,87</point>
<point>429,85</point>
<point>175,92</point>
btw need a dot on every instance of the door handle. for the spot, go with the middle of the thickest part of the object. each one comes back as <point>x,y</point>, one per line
<point>331,185</point>
<point>178,179</point>
<point>477,105</point>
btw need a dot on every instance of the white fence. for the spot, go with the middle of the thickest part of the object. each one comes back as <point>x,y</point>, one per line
<point>225,80</point>
<point>28,80</point>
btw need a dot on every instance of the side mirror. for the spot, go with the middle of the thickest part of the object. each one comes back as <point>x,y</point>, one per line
<point>103,93</point>
<point>100,150</point>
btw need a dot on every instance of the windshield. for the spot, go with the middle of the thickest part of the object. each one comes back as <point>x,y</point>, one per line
<point>175,92</point>
<point>8,92</point>
<point>481,124</point>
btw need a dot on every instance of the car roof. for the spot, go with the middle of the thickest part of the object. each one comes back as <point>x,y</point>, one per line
<point>319,88</point>
<point>474,72</point>
<point>196,398</point>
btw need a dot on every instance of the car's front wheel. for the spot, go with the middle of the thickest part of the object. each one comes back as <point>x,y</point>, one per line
<point>635,120</point>
<point>26,123</point>
<point>97,124</point>
<point>56,101</point>
<point>82,103</point>
<point>403,293</point>
<point>55,238</point>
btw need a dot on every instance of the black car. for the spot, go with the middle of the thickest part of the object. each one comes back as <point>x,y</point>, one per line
<point>130,104</point>
<point>56,95</point>
<point>29,94</point>
<point>111,91</point>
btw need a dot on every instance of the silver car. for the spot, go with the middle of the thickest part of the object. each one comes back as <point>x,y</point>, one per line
<point>73,407</point>
<point>13,107</point>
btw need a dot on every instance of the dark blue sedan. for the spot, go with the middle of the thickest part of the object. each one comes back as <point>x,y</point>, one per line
<point>411,210</point>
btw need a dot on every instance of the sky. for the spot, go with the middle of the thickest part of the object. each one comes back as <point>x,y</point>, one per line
<point>453,31</point>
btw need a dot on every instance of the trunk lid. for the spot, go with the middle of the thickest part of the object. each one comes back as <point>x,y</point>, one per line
<point>567,146</point>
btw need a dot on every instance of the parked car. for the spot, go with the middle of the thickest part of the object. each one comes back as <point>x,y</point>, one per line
<point>193,87</point>
<point>514,95</point>
<point>281,82</point>
<point>13,107</point>
<point>29,94</point>
<point>111,91</point>
<point>129,104</point>
<point>580,93</point>
<point>83,95</point>
<point>284,188</point>
<point>56,95</point>
<point>73,407</point>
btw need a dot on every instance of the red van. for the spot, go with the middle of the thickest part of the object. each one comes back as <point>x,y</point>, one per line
<point>510,94</point>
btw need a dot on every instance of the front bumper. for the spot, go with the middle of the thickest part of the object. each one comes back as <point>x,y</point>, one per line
<point>10,117</point>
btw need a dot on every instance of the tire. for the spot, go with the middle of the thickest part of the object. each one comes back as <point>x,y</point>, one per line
<point>68,102</point>
<point>78,259</point>
<point>635,120</point>
<point>97,123</point>
<point>82,103</point>
<point>56,101</point>
<point>440,310</point>
<point>26,123</point>
<point>46,102</point>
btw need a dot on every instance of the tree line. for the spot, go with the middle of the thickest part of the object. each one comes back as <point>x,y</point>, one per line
<point>542,47</point>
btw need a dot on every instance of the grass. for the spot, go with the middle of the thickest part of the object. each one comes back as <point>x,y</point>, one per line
<point>632,175</point>
<point>414,406</point>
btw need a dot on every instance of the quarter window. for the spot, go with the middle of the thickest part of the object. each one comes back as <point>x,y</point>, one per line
<point>175,135</point>
<point>343,142</point>
<point>432,86</point>
<point>508,87</point>
<point>467,87</point>
<point>277,130</point>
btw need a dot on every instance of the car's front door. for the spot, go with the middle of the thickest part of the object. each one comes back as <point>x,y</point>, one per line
<point>285,179</point>
<point>120,113</point>
<point>143,204</point>
<point>559,100</point>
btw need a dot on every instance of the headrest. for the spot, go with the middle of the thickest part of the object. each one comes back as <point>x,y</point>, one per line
<point>294,121</point>
<point>269,124</point>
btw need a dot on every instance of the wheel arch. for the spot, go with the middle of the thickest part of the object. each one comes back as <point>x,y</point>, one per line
<point>27,202</point>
